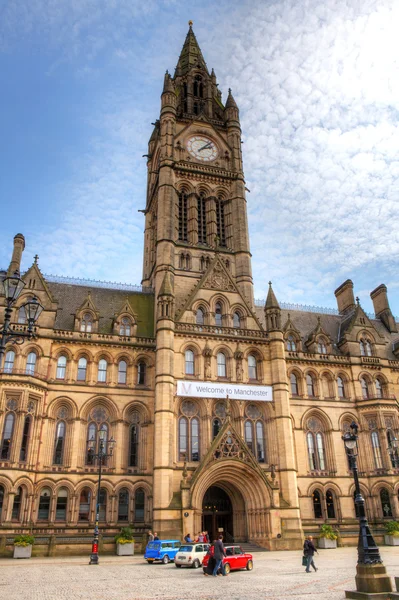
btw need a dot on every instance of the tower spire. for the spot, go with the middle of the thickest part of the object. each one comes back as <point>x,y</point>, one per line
<point>190,55</point>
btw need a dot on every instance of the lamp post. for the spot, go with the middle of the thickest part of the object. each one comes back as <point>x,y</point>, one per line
<point>12,287</point>
<point>100,456</point>
<point>393,452</point>
<point>371,577</point>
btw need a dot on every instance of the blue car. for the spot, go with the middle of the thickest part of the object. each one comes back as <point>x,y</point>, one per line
<point>162,550</point>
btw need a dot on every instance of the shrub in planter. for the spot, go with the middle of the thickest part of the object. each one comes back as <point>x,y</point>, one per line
<point>327,537</point>
<point>392,533</point>
<point>23,546</point>
<point>125,542</point>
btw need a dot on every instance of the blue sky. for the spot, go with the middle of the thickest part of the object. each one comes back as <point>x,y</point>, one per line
<point>318,90</point>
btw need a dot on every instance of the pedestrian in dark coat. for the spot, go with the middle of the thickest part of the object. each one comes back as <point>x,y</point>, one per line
<point>308,550</point>
<point>219,554</point>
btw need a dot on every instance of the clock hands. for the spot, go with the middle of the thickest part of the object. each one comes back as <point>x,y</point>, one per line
<point>208,145</point>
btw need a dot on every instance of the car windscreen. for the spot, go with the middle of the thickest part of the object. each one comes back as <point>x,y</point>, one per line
<point>153,545</point>
<point>185,549</point>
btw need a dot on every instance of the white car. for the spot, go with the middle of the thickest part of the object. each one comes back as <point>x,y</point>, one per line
<point>191,555</point>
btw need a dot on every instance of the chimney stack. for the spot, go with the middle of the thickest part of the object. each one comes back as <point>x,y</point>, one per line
<point>382,309</point>
<point>345,297</point>
<point>19,246</point>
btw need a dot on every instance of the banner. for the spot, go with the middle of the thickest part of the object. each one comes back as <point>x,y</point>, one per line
<point>235,391</point>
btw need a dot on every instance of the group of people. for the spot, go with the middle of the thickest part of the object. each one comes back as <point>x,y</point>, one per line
<point>202,538</point>
<point>153,537</point>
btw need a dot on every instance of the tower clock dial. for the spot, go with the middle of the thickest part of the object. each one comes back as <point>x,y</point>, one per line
<point>202,148</point>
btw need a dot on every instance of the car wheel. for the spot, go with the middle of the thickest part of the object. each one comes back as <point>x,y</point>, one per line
<point>227,568</point>
<point>150,562</point>
<point>250,565</point>
<point>178,566</point>
<point>196,564</point>
<point>165,559</point>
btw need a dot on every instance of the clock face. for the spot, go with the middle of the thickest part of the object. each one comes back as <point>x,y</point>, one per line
<point>202,148</point>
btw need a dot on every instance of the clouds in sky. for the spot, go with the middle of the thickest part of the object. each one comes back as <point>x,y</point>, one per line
<point>318,89</point>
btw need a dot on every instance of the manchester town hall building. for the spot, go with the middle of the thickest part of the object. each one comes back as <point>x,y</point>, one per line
<point>227,416</point>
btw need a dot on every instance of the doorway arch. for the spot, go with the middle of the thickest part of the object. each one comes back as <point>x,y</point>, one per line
<point>223,511</point>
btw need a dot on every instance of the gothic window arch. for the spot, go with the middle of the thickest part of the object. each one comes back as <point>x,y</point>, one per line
<point>198,87</point>
<point>59,443</point>
<point>311,385</point>
<point>341,387</point>
<point>189,362</point>
<point>134,439</point>
<point>236,320</point>
<point>26,432</point>
<point>202,225</point>
<point>385,503</point>
<point>82,368</point>
<point>317,504</point>
<point>380,387</point>
<point>43,511</point>
<point>61,366</point>
<point>220,222</point>
<point>61,505</point>
<point>252,367</point>
<point>31,363</point>
<point>366,347</point>
<point>218,314</point>
<point>7,437</point>
<point>17,505</point>
<point>122,372</point>
<point>123,505</point>
<point>375,444</point>
<point>183,212</point>
<point>254,432</point>
<point>189,431</point>
<point>141,373</point>
<point>9,361</point>
<point>330,504</point>
<point>315,444</point>
<point>364,384</point>
<point>294,383</point>
<point>125,327</point>
<point>84,504</point>
<point>102,371</point>
<point>86,324</point>
<point>322,345</point>
<point>200,316</point>
<point>291,343</point>
<point>22,316</point>
<point>221,364</point>
<point>98,421</point>
<point>139,505</point>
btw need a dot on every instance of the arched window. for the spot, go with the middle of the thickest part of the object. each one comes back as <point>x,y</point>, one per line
<point>125,327</point>
<point>221,364</point>
<point>59,443</point>
<point>330,505</point>
<point>294,385</point>
<point>310,385</point>
<point>341,387</point>
<point>198,87</point>
<point>218,315</point>
<point>84,504</point>
<point>236,320</point>
<point>44,504</point>
<point>321,346</point>
<point>317,508</point>
<point>248,435</point>
<point>199,317</point>
<point>86,323</point>
<point>102,504</point>
<point>31,363</point>
<point>202,230</point>
<point>365,347</point>
<point>365,388</point>
<point>122,372</point>
<point>94,438</point>
<point>189,362</point>
<point>8,431</point>
<point>141,369</point>
<point>91,437</point>
<point>23,455</point>
<point>61,506</point>
<point>315,444</point>
<point>102,371</point>
<point>260,442</point>
<point>82,368</point>
<point>9,361</point>
<point>220,227</point>
<point>189,432</point>
<point>385,503</point>
<point>252,367</point>
<point>134,441</point>
<point>216,425</point>
<point>16,507</point>
<point>369,349</point>
<point>1,500</point>
<point>291,344</point>
<point>61,367</point>
<point>123,505</point>
<point>22,315</point>
<point>375,443</point>
<point>378,388</point>
<point>139,505</point>
<point>254,432</point>
<point>183,217</point>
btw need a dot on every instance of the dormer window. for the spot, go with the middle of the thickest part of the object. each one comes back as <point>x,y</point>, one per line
<point>291,344</point>
<point>86,324</point>
<point>125,327</point>
<point>365,347</point>
<point>321,346</point>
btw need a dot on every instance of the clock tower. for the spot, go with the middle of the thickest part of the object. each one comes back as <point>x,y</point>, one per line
<point>196,203</point>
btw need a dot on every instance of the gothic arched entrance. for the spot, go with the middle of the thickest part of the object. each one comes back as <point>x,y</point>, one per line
<point>217,513</point>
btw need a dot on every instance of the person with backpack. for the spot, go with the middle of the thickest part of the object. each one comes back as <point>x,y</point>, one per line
<point>308,551</point>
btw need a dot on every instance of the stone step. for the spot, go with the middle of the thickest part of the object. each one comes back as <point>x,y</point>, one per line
<point>251,547</point>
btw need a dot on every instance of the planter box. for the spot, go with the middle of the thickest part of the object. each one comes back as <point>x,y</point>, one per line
<point>125,549</point>
<point>22,551</point>
<point>326,543</point>
<point>391,540</point>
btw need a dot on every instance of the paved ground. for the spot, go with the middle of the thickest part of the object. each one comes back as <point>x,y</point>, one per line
<point>276,575</point>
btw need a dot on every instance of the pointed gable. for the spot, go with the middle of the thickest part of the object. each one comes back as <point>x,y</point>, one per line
<point>35,282</point>
<point>314,336</point>
<point>190,55</point>
<point>125,320</point>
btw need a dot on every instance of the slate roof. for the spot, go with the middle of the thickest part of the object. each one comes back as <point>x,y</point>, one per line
<point>108,302</point>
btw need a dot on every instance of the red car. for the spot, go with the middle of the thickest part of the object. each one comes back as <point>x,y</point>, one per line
<point>234,560</point>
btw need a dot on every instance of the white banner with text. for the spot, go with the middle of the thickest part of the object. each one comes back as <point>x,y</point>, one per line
<point>235,391</point>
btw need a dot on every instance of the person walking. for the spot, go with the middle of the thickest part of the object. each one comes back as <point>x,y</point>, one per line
<point>308,550</point>
<point>219,554</point>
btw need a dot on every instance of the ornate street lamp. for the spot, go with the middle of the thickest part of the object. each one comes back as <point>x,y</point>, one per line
<point>13,286</point>
<point>105,450</point>
<point>371,573</point>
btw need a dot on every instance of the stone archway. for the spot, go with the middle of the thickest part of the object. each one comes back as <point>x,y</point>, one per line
<point>223,511</point>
